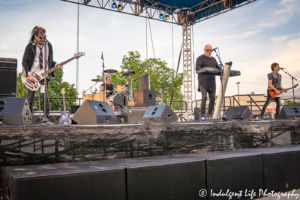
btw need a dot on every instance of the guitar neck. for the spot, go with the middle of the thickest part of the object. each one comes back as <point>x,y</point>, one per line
<point>65,113</point>
<point>56,67</point>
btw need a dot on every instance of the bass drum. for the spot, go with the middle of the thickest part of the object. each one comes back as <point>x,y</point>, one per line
<point>117,101</point>
<point>99,96</point>
<point>87,97</point>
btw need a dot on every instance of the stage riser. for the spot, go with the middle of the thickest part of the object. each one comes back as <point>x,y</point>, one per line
<point>160,178</point>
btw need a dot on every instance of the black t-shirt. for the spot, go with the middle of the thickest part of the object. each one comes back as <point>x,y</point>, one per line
<point>276,80</point>
<point>208,82</point>
<point>110,88</point>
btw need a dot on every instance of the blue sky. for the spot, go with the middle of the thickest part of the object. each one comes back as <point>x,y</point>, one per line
<point>252,37</point>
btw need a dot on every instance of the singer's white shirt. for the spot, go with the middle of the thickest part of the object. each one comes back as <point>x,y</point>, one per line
<point>36,62</point>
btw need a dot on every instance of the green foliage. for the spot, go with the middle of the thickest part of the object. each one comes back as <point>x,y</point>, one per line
<point>289,103</point>
<point>54,89</point>
<point>132,62</point>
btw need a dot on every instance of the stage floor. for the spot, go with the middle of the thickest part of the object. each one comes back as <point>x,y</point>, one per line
<point>57,143</point>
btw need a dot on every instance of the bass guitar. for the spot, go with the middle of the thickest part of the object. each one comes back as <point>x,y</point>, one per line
<point>39,75</point>
<point>64,118</point>
<point>273,94</point>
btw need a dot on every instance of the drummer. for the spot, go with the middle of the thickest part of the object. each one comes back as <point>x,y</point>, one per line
<point>109,87</point>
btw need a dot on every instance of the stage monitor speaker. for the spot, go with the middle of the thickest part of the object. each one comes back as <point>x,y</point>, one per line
<point>144,82</point>
<point>242,112</point>
<point>161,113</point>
<point>8,77</point>
<point>94,112</point>
<point>288,112</point>
<point>145,98</point>
<point>15,111</point>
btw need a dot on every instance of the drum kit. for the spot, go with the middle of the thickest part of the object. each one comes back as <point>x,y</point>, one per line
<point>117,100</point>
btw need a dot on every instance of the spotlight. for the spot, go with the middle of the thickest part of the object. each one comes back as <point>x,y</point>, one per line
<point>114,5</point>
<point>167,17</point>
<point>161,16</point>
<point>120,7</point>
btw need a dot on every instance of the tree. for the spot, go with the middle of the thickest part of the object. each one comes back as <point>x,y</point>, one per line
<point>289,103</point>
<point>132,62</point>
<point>54,89</point>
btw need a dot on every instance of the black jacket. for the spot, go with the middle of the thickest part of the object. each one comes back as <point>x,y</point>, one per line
<point>29,55</point>
<point>208,82</point>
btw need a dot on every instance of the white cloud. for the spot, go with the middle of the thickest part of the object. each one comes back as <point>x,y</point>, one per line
<point>278,39</point>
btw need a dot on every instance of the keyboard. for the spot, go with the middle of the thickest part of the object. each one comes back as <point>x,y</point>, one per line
<point>216,71</point>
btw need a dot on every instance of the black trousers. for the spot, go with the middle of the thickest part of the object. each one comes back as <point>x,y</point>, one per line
<point>278,104</point>
<point>30,99</point>
<point>212,97</point>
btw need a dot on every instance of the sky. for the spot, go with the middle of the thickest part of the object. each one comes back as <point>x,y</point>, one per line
<point>252,37</point>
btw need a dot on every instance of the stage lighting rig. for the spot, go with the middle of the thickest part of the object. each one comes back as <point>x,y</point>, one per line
<point>85,2</point>
<point>114,5</point>
<point>120,6</point>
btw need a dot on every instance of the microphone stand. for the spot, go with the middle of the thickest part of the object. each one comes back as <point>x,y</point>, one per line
<point>292,85</point>
<point>222,69</point>
<point>104,78</point>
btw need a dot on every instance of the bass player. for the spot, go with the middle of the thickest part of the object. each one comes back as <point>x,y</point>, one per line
<point>33,59</point>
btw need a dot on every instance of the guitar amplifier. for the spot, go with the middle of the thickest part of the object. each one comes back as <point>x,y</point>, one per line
<point>145,97</point>
<point>8,77</point>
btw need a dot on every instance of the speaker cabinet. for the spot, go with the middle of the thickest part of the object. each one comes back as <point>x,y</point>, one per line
<point>73,109</point>
<point>281,169</point>
<point>15,111</point>
<point>234,172</point>
<point>133,114</point>
<point>94,112</point>
<point>72,181</point>
<point>288,112</point>
<point>8,77</point>
<point>161,113</point>
<point>242,112</point>
<point>144,82</point>
<point>145,97</point>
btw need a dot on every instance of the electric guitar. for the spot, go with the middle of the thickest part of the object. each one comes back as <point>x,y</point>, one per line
<point>64,118</point>
<point>273,94</point>
<point>39,74</point>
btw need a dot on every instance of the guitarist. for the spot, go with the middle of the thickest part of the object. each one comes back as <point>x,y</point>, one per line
<point>274,84</point>
<point>33,60</point>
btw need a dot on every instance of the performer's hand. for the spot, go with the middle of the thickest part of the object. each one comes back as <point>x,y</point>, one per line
<point>277,92</point>
<point>31,78</point>
<point>107,91</point>
<point>59,65</point>
<point>285,90</point>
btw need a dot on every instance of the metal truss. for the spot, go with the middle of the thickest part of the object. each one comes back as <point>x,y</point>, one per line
<point>187,65</point>
<point>150,9</point>
<point>155,10</point>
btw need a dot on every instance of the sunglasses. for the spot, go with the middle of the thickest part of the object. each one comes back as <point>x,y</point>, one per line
<point>208,50</point>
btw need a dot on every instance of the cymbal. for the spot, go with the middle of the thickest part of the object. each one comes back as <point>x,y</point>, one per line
<point>97,80</point>
<point>129,73</point>
<point>110,71</point>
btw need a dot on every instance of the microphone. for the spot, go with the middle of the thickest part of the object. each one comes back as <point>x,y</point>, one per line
<point>214,49</point>
<point>281,68</point>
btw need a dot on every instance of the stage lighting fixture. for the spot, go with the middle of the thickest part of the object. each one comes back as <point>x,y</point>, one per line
<point>114,5</point>
<point>167,17</point>
<point>161,16</point>
<point>120,7</point>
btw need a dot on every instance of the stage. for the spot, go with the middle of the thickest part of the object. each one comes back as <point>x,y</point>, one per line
<point>42,144</point>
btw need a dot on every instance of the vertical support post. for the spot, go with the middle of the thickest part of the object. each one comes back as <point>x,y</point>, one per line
<point>222,90</point>
<point>187,65</point>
